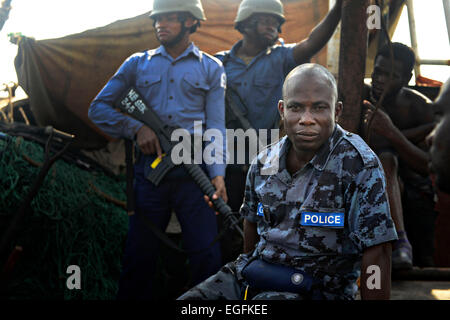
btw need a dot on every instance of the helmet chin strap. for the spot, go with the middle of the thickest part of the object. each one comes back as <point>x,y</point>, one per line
<point>178,38</point>
<point>264,40</point>
<point>253,26</point>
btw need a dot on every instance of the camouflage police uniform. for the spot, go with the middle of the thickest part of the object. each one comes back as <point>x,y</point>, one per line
<point>345,178</point>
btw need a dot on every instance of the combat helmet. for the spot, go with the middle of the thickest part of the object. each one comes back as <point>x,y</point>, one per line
<point>249,7</point>
<point>194,7</point>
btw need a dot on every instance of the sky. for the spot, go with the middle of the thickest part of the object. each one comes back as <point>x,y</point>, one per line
<point>46,19</point>
<point>432,38</point>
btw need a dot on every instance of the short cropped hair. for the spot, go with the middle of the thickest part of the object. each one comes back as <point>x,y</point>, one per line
<point>402,53</point>
<point>313,69</point>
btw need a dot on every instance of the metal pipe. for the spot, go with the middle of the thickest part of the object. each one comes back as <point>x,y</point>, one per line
<point>412,33</point>
<point>333,48</point>
<point>436,62</point>
<point>446,5</point>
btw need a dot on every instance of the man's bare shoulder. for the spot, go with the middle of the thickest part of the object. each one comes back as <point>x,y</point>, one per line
<point>413,98</point>
<point>417,103</point>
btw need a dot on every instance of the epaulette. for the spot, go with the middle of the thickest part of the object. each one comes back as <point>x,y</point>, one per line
<point>212,58</point>
<point>368,156</point>
<point>222,53</point>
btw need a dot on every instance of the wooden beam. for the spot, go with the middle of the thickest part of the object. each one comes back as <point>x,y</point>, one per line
<point>352,61</point>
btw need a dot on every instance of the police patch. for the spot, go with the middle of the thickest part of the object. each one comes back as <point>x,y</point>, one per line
<point>322,219</point>
<point>260,210</point>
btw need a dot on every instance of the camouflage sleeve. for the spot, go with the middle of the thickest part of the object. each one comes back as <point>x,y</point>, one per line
<point>250,204</point>
<point>369,216</point>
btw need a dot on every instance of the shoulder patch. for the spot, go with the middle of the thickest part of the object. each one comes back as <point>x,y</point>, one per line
<point>221,54</point>
<point>148,54</point>
<point>218,61</point>
<point>368,156</point>
<point>138,55</point>
<point>284,45</point>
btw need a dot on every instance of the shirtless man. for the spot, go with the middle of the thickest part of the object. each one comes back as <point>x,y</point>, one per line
<point>398,132</point>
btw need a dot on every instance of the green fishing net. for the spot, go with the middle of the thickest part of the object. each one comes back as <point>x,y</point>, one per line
<point>71,222</point>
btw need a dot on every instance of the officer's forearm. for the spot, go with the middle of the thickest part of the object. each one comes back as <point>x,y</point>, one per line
<point>251,237</point>
<point>376,272</point>
<point>319,36</point>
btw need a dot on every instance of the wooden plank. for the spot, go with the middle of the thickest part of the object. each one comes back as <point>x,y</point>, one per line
<point>352,62</point>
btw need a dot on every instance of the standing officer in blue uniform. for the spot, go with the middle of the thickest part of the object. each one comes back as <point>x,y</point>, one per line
<point>256,67</point>
<point>182,84</point>
<point>321,220</point>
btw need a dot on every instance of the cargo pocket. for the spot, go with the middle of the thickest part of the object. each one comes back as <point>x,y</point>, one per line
<point>266,83</point>
<point>195,89</point>
<point>147,81</point>
<point>265,89</point>
<point>195,84</point>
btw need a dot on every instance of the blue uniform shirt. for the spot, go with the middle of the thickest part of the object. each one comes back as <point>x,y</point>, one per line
<point>259,83</point>
<point>182,90</point>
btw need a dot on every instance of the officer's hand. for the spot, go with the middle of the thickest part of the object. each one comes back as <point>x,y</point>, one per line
<point>148,141</point>
<point>221,191</point>
<point>219,184</point>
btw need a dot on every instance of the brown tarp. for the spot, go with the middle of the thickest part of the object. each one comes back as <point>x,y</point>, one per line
<point>62,76</point>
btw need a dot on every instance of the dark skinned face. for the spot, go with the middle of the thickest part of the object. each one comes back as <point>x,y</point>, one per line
<point>265,30</point>
<point>380,77</point>
<point>168,28</point>
<point>309,112</point>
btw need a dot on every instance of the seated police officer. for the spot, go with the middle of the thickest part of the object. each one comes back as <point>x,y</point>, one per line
<point>181,84</point>
<point>256,67</point>
<point>316,217</point>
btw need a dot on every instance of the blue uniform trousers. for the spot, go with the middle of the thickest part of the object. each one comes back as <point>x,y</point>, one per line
<point>179,193</point>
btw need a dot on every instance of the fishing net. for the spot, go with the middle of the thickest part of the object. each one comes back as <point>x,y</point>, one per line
<point>71,222</point>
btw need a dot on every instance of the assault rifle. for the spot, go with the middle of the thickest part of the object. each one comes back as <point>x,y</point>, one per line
<point>232,111</point>
<point>236,119</point>
<point>133,104</point>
